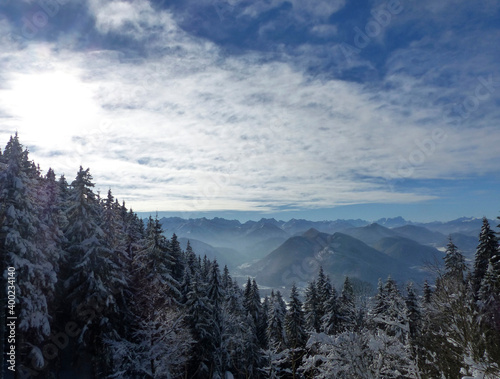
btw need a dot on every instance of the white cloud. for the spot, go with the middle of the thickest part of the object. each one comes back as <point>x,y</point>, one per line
<point>193,130</point>
<point>125,17</point>
<point>324,30</point>
<point>321,9</point>
<point>305,10</point>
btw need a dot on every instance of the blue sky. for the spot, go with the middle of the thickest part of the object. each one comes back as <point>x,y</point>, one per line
<point>312,109</point>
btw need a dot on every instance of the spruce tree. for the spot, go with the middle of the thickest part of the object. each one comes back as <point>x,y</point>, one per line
<point>395,314</point>
<point>454,263</point>
<point>276,323</point>
<point>94,277</point>
<point>389,312</point>
<point>413,313</point>
<point>451,322</point>
<point>21,211</point>
<point>347,307</point>
<point>252,359</point>
<point>486,250</point>
<point>235,329</point>
<point>312,308</point>
<point>253,306</point>
<point>379,305</point>
<point>489,311</point>
<point>427,293</point>
<point>323,291</point>
<point>114,224</point>
<point>227,281</point>
<point>264,342</point>
<point>296,335</point>
<point>177,258</point>
<point>153,269</point>
<point>331,318</point>
<point>216,294</point>
<point>191,260</point>
<point>199,319</point>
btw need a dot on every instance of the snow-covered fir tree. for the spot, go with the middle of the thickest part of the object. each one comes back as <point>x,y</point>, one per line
<point>295,329</point>
<point>276,322</point>
<point>347,307</point>
<point>331,318</point>
<point>94,277</point>
<point>216,294</point>
<point>22,215</point>
<point>177,258</point>
<point>413,313</point>
<point>235,330</point>
<point>199,319</point>
<point>312,312</point>
<point>486,250</point>
<point>389,313</point>
<point>323,291</point>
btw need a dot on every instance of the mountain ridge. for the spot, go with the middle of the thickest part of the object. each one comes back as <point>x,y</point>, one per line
<point>235,243</point>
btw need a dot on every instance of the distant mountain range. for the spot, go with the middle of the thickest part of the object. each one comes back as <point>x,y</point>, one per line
<point>278,253</point>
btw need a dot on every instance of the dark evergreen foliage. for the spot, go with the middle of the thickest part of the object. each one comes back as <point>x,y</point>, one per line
<point>487,250</point>
<point>100,292</point>
<point>312,308</point>
<point>331,318</point>
<point>347,307</point>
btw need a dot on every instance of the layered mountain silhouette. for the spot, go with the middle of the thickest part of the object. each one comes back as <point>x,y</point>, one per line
<point>278,253</point>
<point>299,258</point>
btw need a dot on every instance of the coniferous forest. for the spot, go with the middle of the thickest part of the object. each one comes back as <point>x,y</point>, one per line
<point>89,290</point>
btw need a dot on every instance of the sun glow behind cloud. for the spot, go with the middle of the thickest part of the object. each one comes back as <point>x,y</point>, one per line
<point>51,100</point>
<point>48,102</point>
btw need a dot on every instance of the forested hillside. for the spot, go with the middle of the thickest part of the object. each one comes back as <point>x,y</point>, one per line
<point>91,291</point>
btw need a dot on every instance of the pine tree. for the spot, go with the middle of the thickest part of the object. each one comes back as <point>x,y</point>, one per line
<point>253,306</point>
<point>451,329</point>
<point>395,314</point>
<point>331,318</point>
<point>21,211</point>
<point>53,220</point>
<point>63,190</point>
<point>389,312</point>
<point>454,263</point>
<point>216,295</point>
<point>185,285</point>
<point>262,327</point>
<point>486,250</point>
<point>235,330</point>
<point>177,258</point>
<point>247,296</point>
<point>413,313</point>
<point>199,320</point>
<point>227,281</point>
<point>347,307</point>
<point>489,311</point>
<point>379,305</point>
<point>155,298</point>
<point>192,262</point>
<point>276,323</point>
<point>323,291</point>
<point>155,261</point>
<point>116,237</point>
<point>94,278</point>
<point>311,308</point>
<point>252,359</point>
<point>205,269</point>
<point>427,293</point>
<point>296,335</point>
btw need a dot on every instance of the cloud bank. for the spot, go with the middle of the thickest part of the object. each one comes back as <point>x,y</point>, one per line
<point>173,116</point>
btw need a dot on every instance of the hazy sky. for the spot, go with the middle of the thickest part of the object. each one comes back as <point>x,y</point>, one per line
<point>313,109</point>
